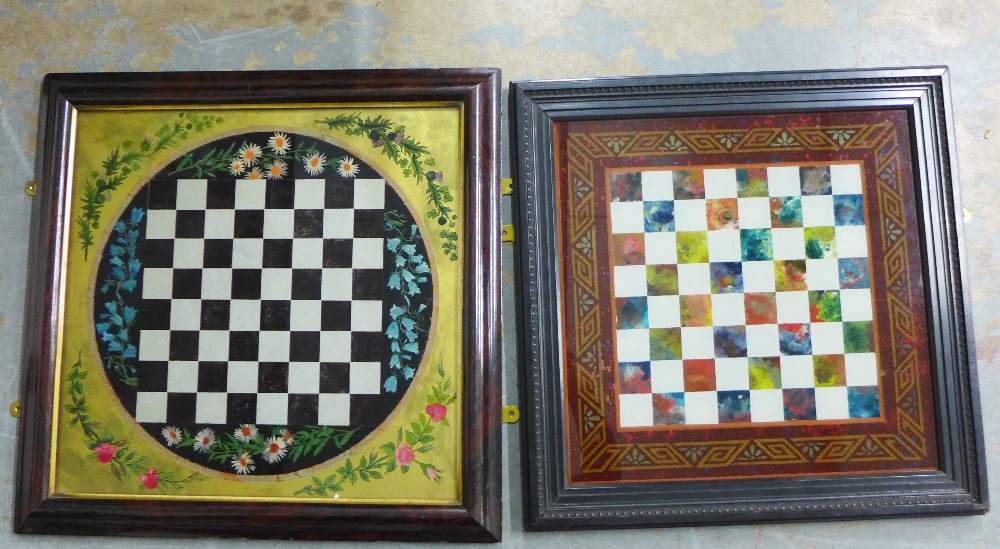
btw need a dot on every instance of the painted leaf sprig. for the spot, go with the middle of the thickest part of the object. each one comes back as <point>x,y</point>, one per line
<point>407,321</point>
<point>118,317</point>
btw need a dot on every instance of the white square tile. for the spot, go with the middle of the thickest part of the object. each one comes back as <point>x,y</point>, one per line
<point>664,311</point>
<point>635,410</point>
<point>817,211</point>
<point>338,223</point>
<point>335,346</point>
<point>762,340</point>
<point>755,212</point>
<point>724,246</point>
<point>154,345</point>
<point>766,405</point>
<point>274,346</point>
<point>666,376</point>
<point>827,338</point>
<point>728,310</point>
<point>307,253</point>
<point>366,378</point>
<point>151,407</point>
<point>657,185</point>
<point>861,369</point>
<point>305,315</point>
<point>758,276</point>
<point>310,194</point>
<point>276,284</point>
<point>182,377</point>
<point>630,280</point>
<point>334,409</point>
<point>732,374</point>
<point>366,253</point>
<point>188,253</point>
<point>789,243</point>
<point>279,223</point>
<point>661,248</point>
<point>701,408</point>
<point>241,377</point>
<point>852,241</point>
<point>793,307</point>
<point>216,283</point>
<point>248,253</point>
<point>632,345</point>
<point>161,224</point>
<point>690,215</point>
<point>272,408</point>
<point>797,372</point>
<point>783,181</point>
<point>157,283</point>
<point>856,304</point>
<point>831,403</point>
<point>336,284</point>
<point>697,342</point>
<point>720,183</point>
<point>192,194</point>
<point>626,217</point>
<point>220,223</point>
<point>210,408</point>
<point>846,179</point>
<point>694,279</point>
<point>366,316</point>
<point>250,195</point>
<point>823,274</point>
<point>369,194</point>
<point>185,314</point>
<point>303,378</point>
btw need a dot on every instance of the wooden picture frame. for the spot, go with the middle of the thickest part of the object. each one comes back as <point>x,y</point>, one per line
<point>322,345</point>
<point>644,206</point>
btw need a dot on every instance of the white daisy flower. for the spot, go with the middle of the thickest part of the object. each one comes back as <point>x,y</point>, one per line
<point>245,433</point>
<point>250,154</point>
<point>347,167</point>
<point>279,143</point>
<point>274,449</point>
<point>286,435</point>
<point>236,167</point>
<point>255,174</point>
<point>277,170</point>
<point>204,440</point>
<point>243,464</point>
<point>314,163</point>
<point>173,435</point>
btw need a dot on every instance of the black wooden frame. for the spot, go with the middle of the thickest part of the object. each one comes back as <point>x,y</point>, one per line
<point>551,503</point>
<point>476,518</point>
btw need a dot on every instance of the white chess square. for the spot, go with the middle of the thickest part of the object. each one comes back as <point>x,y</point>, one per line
<point>366,378</point>
<point>852,241</point>
<point>185,314</point>
<point>335,284</point>
<point>250,195</point>
<point>150,407</point>
<point>720,183</point>
<point>216,283</point>
<point>846,179</point>
<point>307,253</point>
<point>728,310</point>
<point>635,410</point>
<point>161,224</point>
<point>657,185</point>
<point>797,372</point>
<point>701,408</point>
<point>783,181</point>
<point>241,377</point>
<point>767,405</point>
<point>856,304</point>
<point>338,223</point>
<point>789,243</point>
<point>666,376</point>
<point>275,283</point>
<point>305,315</point>
<point>279,223</point>
<point>369,194</point>
<point>758,276</point>
<point>817,211</point>
<point>192,194</point>
<point>762,340</point>
<point>694,279</point>
<point>732,374</point>
<point>303,377</point>
<point>366,253</point>
<point>690,215</point>
<point>827,338</point>
<point>661,248</point>
<point>823,274</point>
<point>220,224</point>
<point>366,316</point>
<point>210,408</point>
<point>724,246</point>
<point>274,346</point>
<point>632,345</point>
<point>831,403</point>
<point>182,377</point>
<point>755,212</point>
<point>334,409</point>
<point>793,307</point>
<point>697,342</point>
<point>272,408</point>
<point>626,217</point>
<point>248,253</point>
<point>188,253</point>
<point>155,345</point>
<point>861,369</point>
<point>664,311</point>
<point>335,346</point>
<point>310,194</point>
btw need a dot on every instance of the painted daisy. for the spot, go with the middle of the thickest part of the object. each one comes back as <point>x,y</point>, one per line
<point>277,170</point>
<point>236,167</point>
<point>245,433</point>
<point>286,435</point>
<point>274,449</point>
<point>250,154</point>
<point>255,174</point>
<point>204,440</point>
<point>173,435</point>
<point>279,143</point>
<point>314,163</point>
<point>347,167</point>
<point>243,464</point>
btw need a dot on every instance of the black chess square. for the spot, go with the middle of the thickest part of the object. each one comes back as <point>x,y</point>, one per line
<point>241,408</point>
<point>368,223</point>
<point>151,377</point>
<point>304,347</point>
<point>184,345</point>
<point>307,283</point>
<point>248,224</point>
<point>213,377</point>
<point>181,408</point>
<point>272,377</point>
<point>218,254</point>
<point>366,346</point>
<point>158,254</point>
<point>336,316</point>
<point>244,346</point>
<point>337,252</point>
<point>187,284</point>
<point>339,195</point>
<point>308,224</point>
<point>334,377</point>
<point>367,285</point>
<point>155,315</point>
<point>279,195</point>
<point>275,315</point>
<point>215,314</point>
<point>303,409</point>
<point>221,194</point>
<point>190,224</point>
<point>246,284</point>
<point>162,194</point>
<point>277,253</point>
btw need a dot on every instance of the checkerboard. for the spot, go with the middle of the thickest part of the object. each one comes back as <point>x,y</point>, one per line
<point>261,301</point>
<point>742,295</point>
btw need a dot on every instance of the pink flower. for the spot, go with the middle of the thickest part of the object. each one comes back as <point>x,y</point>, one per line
<point>432,472</point>
<point>105,453</point>
<point>437,411</point>
<point>150,480</point>
<point>404,455</point>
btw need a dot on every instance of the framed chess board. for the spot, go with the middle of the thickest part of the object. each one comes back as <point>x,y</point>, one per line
<point>265,293</point>
<point>741,299</point>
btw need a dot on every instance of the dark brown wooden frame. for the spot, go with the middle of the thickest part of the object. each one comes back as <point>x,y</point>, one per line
<point>959,485</point>
<point>476,518</point>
